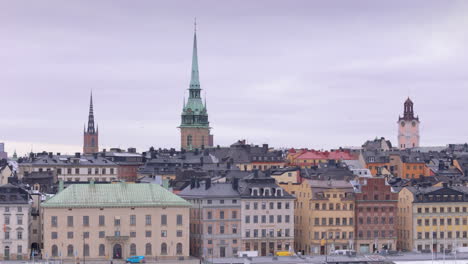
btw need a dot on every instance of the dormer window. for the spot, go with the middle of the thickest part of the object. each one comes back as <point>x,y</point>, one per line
<point>279,192</point>
<point>255,192</point>
<point>371,159</point>
<point>267,192</point>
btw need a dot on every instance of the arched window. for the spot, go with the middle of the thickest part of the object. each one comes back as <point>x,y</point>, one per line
<point>133,249</point>
<point>189,140</point>
<point>179,249</point>
<point>102,250</point>
<point>70,251</point>
<point>86,250</point>
<point>148,249</point>
<point>54,251</point>
<point>163,249</point>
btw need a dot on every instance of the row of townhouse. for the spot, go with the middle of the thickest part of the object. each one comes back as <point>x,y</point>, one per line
<point>250,214</point>
<point>368,215</point>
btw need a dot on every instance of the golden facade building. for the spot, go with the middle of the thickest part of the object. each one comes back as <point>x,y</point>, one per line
<point>432,218</point>
<point>323,215</point>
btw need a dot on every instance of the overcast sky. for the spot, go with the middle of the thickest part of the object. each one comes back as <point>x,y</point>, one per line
<point>317,74</point>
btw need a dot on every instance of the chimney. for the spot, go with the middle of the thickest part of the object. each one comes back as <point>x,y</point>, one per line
<point>131,150</point>
<point>58,153</point>
<point>235,184</point>
<point>50,154</point>
<point>207,183</point>
<point>265,147</point>
<point>77,155</point>
<point>192,183</point>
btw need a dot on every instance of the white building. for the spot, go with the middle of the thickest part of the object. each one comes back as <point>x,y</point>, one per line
<point>15,221</point>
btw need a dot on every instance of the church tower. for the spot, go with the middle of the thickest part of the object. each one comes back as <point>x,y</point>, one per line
<point>91,135</point>
<point>195,127</point>
<point>408,127</point>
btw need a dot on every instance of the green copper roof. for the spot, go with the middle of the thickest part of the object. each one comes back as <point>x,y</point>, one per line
<point>194,113</point>
<point>115,195</point>
<point>195,78</point>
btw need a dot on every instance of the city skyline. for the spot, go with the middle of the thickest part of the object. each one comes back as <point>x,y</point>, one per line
<point>313,76</point>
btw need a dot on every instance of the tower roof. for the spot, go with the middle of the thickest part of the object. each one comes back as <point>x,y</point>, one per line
<point>91,129</point>
<point>195,78</point>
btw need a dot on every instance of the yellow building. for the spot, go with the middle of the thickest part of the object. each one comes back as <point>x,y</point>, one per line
<point>287,175</point>
<point>323,216</point>
<point>432,218</point>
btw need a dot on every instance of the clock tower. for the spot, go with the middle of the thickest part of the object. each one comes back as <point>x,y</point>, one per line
<point>408,127</point>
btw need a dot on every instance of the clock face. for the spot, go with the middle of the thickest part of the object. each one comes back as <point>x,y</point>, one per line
<point>402,123</point>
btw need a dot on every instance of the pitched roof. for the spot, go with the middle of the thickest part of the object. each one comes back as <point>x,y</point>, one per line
<point>215,190</point>
<point>115,195</point>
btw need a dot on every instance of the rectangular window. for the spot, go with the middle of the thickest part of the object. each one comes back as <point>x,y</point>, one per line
<point>221,215</point>
<point>286,218</point>
<point>148,219</point>
<point>19,235</point>
<point>279,219</point>
<point>53,235</point>
<point>102,234</point>
<point>247,219</point>
<point>163,233</point>
<point>148,234</point>
<point>85,234</point>
<point>279,204</point>
<point>179,219</point>
<point>163,219</point>
<point>263,219</point>
<point>247,206</point>
<point>132,234</point>
<point>53,221</point>
<point>234,214</point>
<point>132,220</point>
<point>272,219</point>
<point>255,219</point>
<point>179,233</point>
<point>101,220</point>
<point>85,220</point>
<point>70,221</point>
<point>70,235</point>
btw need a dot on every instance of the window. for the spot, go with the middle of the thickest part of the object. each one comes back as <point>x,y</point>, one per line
<point>148,219</point>
<point>70,251</point>
<point>163,233</point>
<point>163,249</point>
<point>272,205</point>
<point>247,206</point>
<point>85,234</point>
<point>102,234</point>
<point>221,216</point>
<point>179,249</point>
<point>210,229</point>
<point>86,250</point>
<point>234,229</point>
<point>85,220</point>
<point>132,220</point>
<point>279,205</point>
<point>133,249</point>
<point>255,219</point>
<point>210,215</point>
<point>53,221</point>
<point>70,221</point>
<point>179,233</point>
<point>102,250</point>
<point>255,206</point>
<point>54,251</point>
<point>19,219</point>
<point>132,234</point>
<point>263,219</point>
<point>279,219</point>
<point>247,219</point>
<point>221,229</point>
<point>117,221</point>
<point>179,219</point>
<point>101,220</point>
<point>234,214</point>
<point>19,235</point>
<point>70,235</point>
<point>53,235</point>
<point>286,218</point>
<point>147,233</point>
<point>272,219</point>
<point>163,219</point>
<point>148,249</point>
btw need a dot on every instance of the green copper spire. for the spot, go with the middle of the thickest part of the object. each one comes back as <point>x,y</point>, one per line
<point>195,78</point>
<point>194,113</point>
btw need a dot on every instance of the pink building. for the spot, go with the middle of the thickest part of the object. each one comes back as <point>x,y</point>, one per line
<point>408,127</point>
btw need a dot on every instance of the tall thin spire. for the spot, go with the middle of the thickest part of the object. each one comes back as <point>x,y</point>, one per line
<point>195,79</point>
<point>91,115</point>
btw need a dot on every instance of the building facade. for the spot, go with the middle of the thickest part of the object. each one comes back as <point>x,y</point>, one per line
<point>267,216</point>
<point>15,222</point>
<point>432,218</point>
<point>215,218</point>
<point>115,221</point>
<point>376,216</point>
<point>91,134</point>
<point>324,216</point>
<point>195,127</point>
<point>408,127</point>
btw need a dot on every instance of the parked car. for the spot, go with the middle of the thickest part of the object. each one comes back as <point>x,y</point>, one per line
<point>136,259</point>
